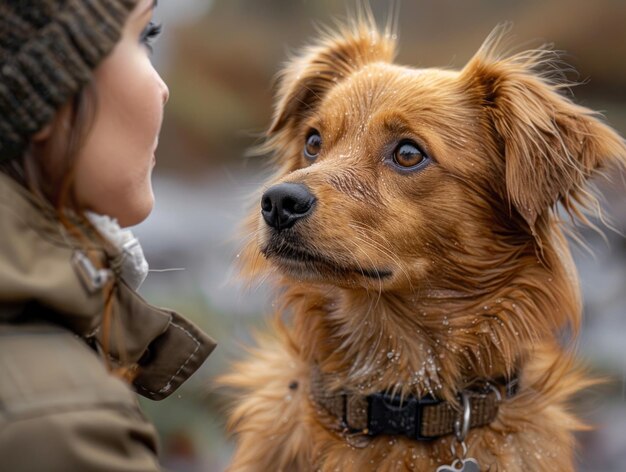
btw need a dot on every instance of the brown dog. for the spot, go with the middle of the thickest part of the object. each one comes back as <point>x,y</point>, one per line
<point>423,275</point>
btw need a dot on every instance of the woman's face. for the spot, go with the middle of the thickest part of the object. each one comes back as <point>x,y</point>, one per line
<point>114,167</point>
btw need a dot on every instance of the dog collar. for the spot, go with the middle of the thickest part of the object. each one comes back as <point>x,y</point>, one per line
<point>420,419</point>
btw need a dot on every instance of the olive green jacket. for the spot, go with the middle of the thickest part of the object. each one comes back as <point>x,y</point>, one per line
<point>60,408</point>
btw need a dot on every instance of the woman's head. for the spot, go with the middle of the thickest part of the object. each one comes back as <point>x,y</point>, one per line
<point>96,150</point>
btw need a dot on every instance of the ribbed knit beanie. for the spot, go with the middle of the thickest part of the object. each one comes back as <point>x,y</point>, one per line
<point>48,49</point>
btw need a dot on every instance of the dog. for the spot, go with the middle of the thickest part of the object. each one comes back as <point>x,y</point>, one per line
<point>415,233</point>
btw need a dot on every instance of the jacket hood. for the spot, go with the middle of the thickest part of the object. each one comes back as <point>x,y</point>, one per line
<point>45,274</point>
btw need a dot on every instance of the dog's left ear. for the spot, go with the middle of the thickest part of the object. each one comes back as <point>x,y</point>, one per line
<point>307,77</point>
<point>550,145</point>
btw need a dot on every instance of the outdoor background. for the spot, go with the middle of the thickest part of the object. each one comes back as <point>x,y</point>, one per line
<point>219,59</point>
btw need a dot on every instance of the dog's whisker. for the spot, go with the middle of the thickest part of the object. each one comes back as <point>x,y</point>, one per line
<point>373,264</point>
<point>363,231</point>
<point>380,282</point>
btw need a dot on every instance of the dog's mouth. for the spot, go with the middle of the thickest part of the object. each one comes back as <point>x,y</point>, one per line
<point>299,259</point>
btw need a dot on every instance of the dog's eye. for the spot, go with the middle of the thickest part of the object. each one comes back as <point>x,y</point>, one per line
<point>408,155</point>
<point>313,144</point>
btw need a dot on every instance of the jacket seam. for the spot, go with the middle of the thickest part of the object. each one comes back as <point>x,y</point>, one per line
<point>168,385</point>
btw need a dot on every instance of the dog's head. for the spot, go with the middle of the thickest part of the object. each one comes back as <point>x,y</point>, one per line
<point>397,178</point>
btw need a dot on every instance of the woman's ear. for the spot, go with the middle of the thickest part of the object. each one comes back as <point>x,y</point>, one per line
<point>306,78</point>
<point>60,122</point>
<point>43,134</point>
<point>550,145</point>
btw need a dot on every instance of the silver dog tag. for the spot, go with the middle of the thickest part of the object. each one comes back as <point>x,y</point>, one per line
<point>465,465</point>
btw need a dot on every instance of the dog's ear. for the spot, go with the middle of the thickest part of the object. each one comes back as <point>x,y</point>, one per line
<point>550,145</point>
<point>308,76</point>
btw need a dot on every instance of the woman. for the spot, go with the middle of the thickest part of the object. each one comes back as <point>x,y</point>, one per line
<point>80,112</point>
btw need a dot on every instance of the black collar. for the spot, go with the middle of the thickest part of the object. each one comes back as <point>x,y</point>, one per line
<point>421,419</point>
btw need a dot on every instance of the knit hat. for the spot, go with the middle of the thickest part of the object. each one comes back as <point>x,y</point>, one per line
<point>48,49</point>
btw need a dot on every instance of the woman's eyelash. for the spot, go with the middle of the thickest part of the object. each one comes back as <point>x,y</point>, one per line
<point>150,33</point>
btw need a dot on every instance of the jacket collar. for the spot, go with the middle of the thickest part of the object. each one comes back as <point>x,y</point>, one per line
<point>44,274</point>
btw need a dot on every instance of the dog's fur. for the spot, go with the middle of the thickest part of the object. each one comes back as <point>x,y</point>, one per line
<point>475,279</point>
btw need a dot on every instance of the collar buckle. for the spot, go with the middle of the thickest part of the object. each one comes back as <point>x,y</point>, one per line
<point>389,414</point>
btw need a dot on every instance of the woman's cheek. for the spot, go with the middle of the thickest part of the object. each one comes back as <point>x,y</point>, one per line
<point>115,183</point>
<point>115,166</point>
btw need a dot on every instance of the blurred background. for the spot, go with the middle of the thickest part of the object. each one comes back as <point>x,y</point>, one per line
<point>219,59</point>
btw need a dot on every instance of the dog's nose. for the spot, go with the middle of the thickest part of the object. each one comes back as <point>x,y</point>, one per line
<point>284,204</point>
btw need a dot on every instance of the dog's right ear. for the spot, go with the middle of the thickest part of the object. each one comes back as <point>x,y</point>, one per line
<point>306,78</point>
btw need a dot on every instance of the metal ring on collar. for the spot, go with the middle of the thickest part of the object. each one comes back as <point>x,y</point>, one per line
<point>495,390</point>
<point>461,429</point>
<point>454,452</point>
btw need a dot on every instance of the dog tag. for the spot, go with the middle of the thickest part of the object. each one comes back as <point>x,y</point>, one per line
<point>465,465</point>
